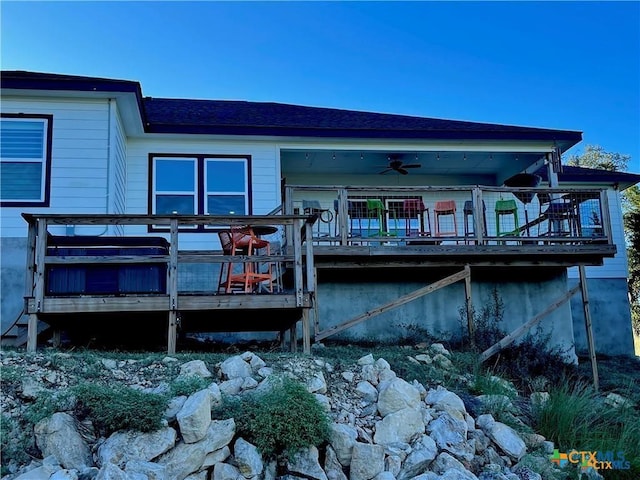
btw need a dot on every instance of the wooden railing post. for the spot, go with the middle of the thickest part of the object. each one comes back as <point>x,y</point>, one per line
<point>39,272</point>
<point>606,217</point>
<point>478,216</point>
<point>173,289</point>
<point>343,215</point>
<point>297,262</point>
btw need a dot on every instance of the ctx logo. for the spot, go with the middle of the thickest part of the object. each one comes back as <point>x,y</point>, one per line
<point>591,459</point>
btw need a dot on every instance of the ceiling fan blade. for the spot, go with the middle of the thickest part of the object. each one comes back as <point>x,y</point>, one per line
<point>402,171</point>
<point>412,165</point>
<point>385,171</point>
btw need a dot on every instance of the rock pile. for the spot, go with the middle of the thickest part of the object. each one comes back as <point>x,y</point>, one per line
<point>382,428</point>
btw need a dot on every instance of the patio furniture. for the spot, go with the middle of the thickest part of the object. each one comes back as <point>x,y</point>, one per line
<point>325,216</point>
<point>243,241</point>
<point>528,180</point>
<point>469,215</point>
<point>442,210</point>
<point>413,208</point>
<point>506,208</point>
<point>559,214</point>
<point>376,210</point>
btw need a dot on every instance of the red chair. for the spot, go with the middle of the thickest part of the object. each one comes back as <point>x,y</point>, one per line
<point>445,208</point>
<point>243,241</point>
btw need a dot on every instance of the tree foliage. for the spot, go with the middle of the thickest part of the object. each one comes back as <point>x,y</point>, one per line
<point>594,156</point>
<point>632,228</point>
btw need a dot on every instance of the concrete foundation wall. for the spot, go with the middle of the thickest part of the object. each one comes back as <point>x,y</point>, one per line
<point>14,260</point>
<point>343,296</point>
<point>610,316</point>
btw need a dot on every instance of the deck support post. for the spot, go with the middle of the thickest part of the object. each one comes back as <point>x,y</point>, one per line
<point>32,333</point>
<point>468,304</point>
<point>293,338</point>
<point>306,332</point>
<point>173,332</point>
<point>56,339</point>
<point>588,326</point>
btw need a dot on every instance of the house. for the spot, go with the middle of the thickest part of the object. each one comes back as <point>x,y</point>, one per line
<point>387,223</point>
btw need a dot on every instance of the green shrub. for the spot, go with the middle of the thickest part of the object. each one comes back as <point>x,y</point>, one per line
<point>118,407</point>
<point>15,443</point>
<point>47,404</point>
<point>187,385</point>
<point>282,420</point>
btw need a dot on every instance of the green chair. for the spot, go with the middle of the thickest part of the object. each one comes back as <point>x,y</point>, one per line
<point>505,208</point>
<point>376,210</point>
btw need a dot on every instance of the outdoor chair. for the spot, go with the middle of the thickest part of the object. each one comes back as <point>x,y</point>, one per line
<point>442,210</point>
<point>243,241</point>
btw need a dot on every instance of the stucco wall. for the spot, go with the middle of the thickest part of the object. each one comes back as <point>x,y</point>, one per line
<point>610,316</point>
<point>344,295</point>
<point>14,258</point>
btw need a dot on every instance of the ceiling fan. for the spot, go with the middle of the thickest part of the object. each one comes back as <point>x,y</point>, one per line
<point>396,164</point>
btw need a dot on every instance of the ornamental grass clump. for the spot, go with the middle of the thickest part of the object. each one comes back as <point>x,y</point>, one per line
<point>118,407</point>
<point>279,421</point>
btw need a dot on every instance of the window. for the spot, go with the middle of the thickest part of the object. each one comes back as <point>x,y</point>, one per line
<point>199,184</point>
<point>25,159</point>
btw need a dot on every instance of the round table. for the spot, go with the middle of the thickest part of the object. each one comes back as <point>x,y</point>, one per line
<point>260,230</point>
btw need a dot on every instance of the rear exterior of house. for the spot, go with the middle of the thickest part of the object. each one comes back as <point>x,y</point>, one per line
<point>88,146</point>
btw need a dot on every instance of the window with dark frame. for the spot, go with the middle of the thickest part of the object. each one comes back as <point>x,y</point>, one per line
<point>25,159</point>
<point>188,184</point>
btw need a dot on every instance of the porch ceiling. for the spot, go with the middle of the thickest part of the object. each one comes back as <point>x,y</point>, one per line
<point>500,164</point>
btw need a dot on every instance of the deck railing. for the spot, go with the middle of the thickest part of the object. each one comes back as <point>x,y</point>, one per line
<point>478,215</point>
<point>45,231</point>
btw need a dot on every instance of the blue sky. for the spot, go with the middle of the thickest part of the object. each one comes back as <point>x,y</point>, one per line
<point>565,65</point>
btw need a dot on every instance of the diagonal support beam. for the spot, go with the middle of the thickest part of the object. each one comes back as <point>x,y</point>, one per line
<point>456,277</point>
<point>509,339</point>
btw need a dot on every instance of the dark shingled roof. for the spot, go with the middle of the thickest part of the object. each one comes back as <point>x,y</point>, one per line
<point>226,117</point>
<point>267,118</point>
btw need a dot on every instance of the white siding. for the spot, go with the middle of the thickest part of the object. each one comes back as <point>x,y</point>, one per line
<point>118,167</point>
<point>78,159</point>
<point>265,181</point>
<point>615,267</point>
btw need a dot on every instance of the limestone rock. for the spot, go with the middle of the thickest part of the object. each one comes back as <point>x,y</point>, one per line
<point>342,438</point>
<point>195,416</point>
<point>195,368</point>
<point>248,459</point>
<point>367,461</point>
<point>236,367</point>
<point>122,447</point>
<point>399,426</point>
<point>57,435</point>
<point>306,464</point>
<point>396,394</point>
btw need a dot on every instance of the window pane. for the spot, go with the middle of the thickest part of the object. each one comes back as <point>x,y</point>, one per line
<point>167,204</point>
<point>22,139</point>
<point>225,205</point>
<point>175,175</point>
<point>21,180</point>
<point>225,176</point>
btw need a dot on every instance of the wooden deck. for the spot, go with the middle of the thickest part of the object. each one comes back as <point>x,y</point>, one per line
<point>193,310</point>
<point>308,243</point>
